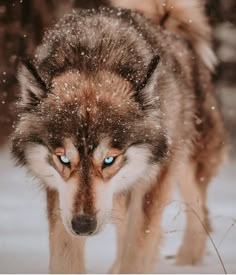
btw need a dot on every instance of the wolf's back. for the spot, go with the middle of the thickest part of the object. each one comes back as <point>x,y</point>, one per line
<point>183,17</point>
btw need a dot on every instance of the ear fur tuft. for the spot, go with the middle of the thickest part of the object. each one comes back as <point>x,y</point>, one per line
<point>33,88</point>
<point>151,69</point>
<point>145,89</point>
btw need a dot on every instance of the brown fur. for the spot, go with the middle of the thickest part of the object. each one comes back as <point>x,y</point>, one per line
<point>108,82</point>
<point>184,17</point>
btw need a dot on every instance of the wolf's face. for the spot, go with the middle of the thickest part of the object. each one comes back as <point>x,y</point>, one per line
<point>88,138</point>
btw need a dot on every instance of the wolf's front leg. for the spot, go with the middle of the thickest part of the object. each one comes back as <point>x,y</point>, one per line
<point>66,251</point>
<point>144,226</point>
<point>120,206</point>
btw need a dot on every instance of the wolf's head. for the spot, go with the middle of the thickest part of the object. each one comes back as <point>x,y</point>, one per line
<point>88,136</point>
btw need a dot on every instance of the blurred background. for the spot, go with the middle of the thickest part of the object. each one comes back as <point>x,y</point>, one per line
<point>23,228</point>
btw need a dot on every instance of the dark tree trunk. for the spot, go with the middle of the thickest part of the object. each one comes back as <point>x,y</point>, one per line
<point>22,23</point>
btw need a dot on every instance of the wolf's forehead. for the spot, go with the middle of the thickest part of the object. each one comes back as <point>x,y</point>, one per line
<point>73,79</point>
<point>73,150</point>
<point>68,81</point>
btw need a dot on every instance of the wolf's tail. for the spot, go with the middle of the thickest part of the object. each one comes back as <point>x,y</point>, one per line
<point>184,17</point>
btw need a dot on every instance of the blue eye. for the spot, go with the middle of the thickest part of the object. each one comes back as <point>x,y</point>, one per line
<point>109,161</point>
<point>64,160</point>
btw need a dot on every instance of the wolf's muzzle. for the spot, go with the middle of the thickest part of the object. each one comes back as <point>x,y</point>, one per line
<point>84,224</point>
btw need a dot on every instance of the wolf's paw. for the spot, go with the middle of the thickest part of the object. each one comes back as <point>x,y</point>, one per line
<point>190,255</point>
<point>115,268</point>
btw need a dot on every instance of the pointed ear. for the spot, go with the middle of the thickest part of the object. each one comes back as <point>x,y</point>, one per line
<point>151,69</point>
<point>144,91</point>
<point>33,89</point>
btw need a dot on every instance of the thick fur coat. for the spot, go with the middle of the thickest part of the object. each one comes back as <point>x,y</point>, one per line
<point>114,109</point>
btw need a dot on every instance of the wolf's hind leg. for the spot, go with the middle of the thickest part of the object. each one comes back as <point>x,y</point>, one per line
<point>66,251</point>
<point>197,225</point>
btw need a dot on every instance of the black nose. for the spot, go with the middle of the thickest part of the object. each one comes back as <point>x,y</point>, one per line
<point>84,224</point>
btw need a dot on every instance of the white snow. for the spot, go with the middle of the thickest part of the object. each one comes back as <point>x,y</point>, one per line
<point>23,227</point>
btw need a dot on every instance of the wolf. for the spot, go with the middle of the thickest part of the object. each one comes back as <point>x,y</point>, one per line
<point>116,107</point>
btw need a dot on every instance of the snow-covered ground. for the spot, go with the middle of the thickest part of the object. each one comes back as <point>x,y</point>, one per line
<point>23,227</point>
